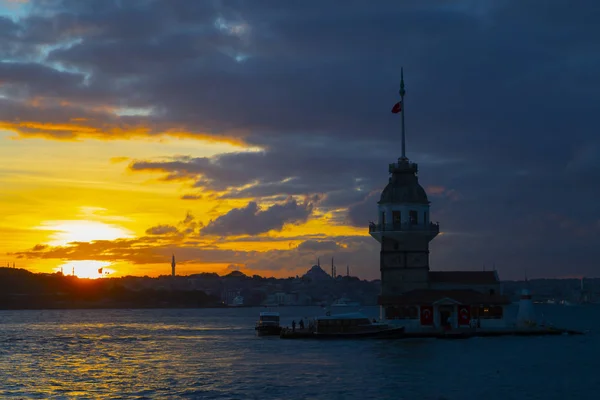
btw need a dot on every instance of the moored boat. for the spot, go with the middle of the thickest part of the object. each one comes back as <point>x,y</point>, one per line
<point>238,301</point>
<point>345,302</point>
<point>345,326</point>
<point>268,324</point>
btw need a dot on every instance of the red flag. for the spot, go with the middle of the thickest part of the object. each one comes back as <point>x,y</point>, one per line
<point>426,315</point>
<point>464,315</point>
<point>397,107</point>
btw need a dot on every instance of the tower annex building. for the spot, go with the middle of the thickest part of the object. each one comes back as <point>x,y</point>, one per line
<point>411,293</point>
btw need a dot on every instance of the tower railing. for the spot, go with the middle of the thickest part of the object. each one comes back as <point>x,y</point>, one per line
<point>406,226</point>
<point>403,165</point>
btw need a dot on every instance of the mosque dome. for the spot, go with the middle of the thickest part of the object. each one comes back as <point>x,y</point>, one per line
<point>404,185</point>
<point>316,273</point>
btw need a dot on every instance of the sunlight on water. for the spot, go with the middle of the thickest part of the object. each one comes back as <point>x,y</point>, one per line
<point>214,354</point>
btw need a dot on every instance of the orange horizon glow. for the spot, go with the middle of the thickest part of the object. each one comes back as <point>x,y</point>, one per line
<point>89,269</point>
<point>77,204</point>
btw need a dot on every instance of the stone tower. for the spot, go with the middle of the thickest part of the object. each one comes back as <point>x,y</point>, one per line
<point>403,227</point>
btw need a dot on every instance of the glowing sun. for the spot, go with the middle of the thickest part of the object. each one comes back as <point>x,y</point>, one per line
<point>85,268</point>
<point>65,232</point>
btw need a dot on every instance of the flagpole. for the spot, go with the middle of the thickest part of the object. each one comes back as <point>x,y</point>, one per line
<point>402,111</point>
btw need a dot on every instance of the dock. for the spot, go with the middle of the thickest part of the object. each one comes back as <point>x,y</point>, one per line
<point>467,334</point>
<point>449,335</point>
<point>287,333</point>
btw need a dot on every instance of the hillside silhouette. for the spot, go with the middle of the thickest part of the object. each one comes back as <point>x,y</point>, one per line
<point>21,289</point>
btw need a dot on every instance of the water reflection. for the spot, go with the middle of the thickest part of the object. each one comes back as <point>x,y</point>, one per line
<point>206,354</point>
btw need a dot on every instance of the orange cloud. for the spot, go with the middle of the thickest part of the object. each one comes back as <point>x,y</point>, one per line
<point>116,160</point>
<point>441,191</point>
<point>435,190</point>
<point>275,253</point>
<point>134,255</point>
<point>106,131</point>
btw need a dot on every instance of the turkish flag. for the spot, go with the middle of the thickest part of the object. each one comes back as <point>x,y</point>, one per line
<point>426,315</point>
<point>464,315</point>
<point>397,107</point>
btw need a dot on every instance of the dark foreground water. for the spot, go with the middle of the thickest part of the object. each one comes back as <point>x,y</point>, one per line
<point>214,354</point>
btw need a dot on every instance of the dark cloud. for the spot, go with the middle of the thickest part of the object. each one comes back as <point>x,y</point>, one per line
<point>500,106</point>
<point>181,59</point>
<point>252,220</point>
<point>161,230</point>
<point>191,196</point>
<point>285,171</point>
<point>189,224</point>
<point>187,227</point>
<point>365,211</point>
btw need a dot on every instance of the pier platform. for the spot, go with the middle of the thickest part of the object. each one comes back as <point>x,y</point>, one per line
<point>287,333</point>
<point>452,334</point>
<point>466,334</point>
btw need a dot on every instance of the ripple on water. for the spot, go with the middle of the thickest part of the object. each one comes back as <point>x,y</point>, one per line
<point>214,354</point>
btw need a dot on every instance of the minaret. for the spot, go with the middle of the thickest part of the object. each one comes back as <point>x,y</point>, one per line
<point>333,272</point>
<point>173,265</point>
<point>403,228</point>
<point>347,270</point>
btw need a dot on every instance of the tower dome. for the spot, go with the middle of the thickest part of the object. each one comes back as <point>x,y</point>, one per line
<point>403,186</point>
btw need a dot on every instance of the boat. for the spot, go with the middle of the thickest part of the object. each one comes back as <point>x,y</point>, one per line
<point>345,302</point>
<point>268,324</point>
<point>345,326</point>
<point>238,301</point>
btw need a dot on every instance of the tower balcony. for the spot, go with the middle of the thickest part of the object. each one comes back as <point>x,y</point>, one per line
<point>401,229</point>
<point>373,227</point>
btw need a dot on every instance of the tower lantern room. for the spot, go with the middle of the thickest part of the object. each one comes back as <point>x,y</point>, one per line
<point>403,204</point>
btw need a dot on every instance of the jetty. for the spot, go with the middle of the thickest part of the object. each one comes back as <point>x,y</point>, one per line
<point>288,333</point>
<point>359,326</point>
<point>467,334</point>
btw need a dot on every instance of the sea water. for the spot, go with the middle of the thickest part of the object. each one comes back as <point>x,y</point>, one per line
<point>215,354</point>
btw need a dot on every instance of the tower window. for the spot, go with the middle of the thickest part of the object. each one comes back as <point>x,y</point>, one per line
<point>412,214</point>
<point>396,217</point>
<point>383,218</point>
<point>425,217</point>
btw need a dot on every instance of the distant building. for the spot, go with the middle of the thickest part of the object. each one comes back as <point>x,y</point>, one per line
<point>316,273</point>
<point>173,264</point>
<point>410,292</point>
<point>294,298</point>
<point>232,297</point>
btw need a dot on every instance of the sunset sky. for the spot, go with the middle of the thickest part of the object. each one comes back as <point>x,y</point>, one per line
<point>256,135</point>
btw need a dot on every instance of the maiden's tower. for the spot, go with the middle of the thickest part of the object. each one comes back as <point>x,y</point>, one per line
<point>411,293</point>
